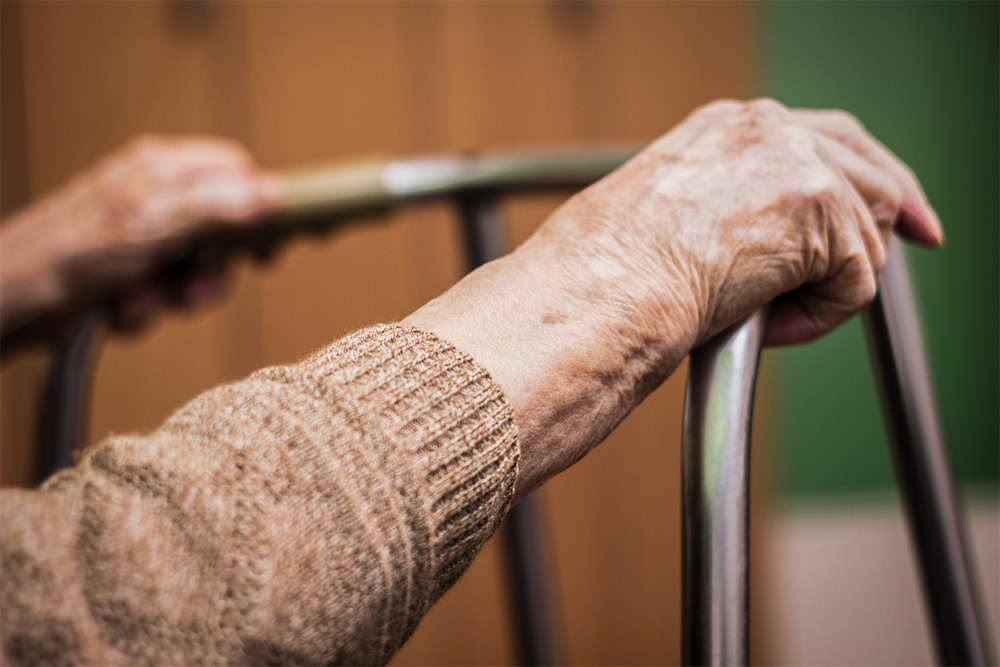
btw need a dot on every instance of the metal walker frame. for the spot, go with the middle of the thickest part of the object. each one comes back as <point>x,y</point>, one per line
<point>717,414</point>
<point>716,465</point>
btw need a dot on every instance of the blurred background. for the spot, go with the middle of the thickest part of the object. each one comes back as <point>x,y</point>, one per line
<point>305,82</point>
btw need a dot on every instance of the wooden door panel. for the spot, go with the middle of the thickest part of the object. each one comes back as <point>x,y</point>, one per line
<point>305,82</point>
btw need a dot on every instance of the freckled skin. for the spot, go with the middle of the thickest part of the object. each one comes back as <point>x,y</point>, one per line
<point>740,205</point>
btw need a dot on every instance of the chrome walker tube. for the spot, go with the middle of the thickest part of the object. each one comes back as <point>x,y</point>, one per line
<point>63,409</point>
<point>716,451</point>
<point>718,411</point>
<point>902,371</point>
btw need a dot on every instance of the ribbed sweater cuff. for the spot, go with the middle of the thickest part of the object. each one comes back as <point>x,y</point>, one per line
<point>453,422</point>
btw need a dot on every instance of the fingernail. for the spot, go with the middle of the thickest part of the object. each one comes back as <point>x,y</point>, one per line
<point>921,215</point>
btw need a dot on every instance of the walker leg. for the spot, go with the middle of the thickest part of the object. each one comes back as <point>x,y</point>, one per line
<point>902,371</point>
<point>524,538</point>
<point>718,409</point>
<point>63,412</point>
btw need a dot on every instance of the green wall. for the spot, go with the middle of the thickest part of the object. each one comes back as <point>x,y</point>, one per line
<point>923,77</point>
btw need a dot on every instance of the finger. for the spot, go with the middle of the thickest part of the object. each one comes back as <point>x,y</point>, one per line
<point>880,194</point>
<point>168,159</point>
<point>817,308</point>
<point>874,238</point>
<point>182,187</point>
<point>182,161</point>
<point>226,199</point>
<point>918,221</point>
<point>244,189</point>
<point>828,300</point>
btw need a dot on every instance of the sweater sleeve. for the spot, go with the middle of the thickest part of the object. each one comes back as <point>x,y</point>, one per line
<point>311,513</point>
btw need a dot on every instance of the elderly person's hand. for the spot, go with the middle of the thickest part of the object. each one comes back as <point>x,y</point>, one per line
<point>743,204</point>
<point>740,205</point>
<point>109,232</point>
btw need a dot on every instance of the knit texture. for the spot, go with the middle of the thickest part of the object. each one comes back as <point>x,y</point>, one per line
<point>311,513</point>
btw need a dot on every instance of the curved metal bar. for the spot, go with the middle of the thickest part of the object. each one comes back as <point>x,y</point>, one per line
<point>902,372</point>
<point>371,184</point>
<point>63,410</point>
<point>718,410</point>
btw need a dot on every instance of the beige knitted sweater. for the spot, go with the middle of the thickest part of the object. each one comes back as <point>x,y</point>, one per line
<point>310,514</point>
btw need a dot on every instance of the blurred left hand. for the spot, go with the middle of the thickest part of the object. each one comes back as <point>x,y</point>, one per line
<point>109,232</point>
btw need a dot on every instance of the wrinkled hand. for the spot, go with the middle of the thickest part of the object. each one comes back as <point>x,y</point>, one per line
<point>747,203</point>
<point>110,230</point>
<point>740,205</point>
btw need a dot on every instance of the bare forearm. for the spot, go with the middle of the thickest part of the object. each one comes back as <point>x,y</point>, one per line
<point>567,341</point>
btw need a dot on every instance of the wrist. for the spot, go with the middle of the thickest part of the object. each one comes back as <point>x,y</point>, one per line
<point>574,341</point>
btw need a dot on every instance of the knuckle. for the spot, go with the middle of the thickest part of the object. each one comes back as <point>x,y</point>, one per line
<point>717,108</point>
<point>122,212</point>
<point>147,145</point>
<point>885,205</point>
<point>878,258</point>
<point>801,143</point>
<point>766,104</point>
<point>763,120</point>
<point>725,104</point>
<point>859,285</point>
<point>844,123</point>
<point>885,212</point>
<point>819,188</point>
<point>894,195</point>
<point>866,288</point>
<point>146,152</point>
<point>764,107</point>
<point>817,200</point>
